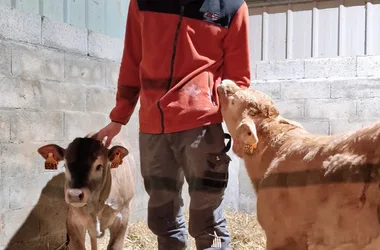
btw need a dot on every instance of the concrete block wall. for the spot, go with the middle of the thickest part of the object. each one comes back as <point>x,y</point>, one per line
<point>57,82</point>
<point>326,95</point>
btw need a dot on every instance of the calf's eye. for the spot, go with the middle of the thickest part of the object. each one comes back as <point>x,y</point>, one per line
<point>99,167</point>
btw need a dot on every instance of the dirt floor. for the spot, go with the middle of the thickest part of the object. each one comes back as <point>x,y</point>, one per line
<point>245,231</point>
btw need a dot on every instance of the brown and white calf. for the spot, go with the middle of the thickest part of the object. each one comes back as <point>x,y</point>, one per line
<point>99,187</point>
<point>314,192</point>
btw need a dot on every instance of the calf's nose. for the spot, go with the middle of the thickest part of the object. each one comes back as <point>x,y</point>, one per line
<point>76,193</point>
<point>76,197</point>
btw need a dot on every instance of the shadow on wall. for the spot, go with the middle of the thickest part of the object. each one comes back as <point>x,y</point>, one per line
<point>49,215</point>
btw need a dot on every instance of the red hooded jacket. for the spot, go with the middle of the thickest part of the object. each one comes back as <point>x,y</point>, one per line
<point>175,55</point>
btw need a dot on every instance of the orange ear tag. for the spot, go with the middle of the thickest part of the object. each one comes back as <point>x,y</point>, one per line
<point>249,148</point>
<point>116,161</point>
<point>50,162</point>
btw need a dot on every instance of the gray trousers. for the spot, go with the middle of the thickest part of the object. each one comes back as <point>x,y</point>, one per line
<point>200,156</point>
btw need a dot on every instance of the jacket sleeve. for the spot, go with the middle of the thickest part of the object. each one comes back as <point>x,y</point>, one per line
<point>128,86</point>
<point>236,49</point>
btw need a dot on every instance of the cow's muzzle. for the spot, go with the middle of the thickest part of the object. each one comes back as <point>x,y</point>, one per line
<point>76,197</point>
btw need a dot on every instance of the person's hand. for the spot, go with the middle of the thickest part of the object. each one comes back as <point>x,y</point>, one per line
<point>109,131</point>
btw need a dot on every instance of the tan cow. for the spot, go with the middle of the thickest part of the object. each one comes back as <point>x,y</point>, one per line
<point>314,192</point>
<point>100,184</point>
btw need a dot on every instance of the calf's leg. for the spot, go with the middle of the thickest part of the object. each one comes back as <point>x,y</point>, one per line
<point>118,230</point>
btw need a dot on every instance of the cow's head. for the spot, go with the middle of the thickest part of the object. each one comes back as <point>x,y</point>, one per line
<point>87,166</point>
<point>243,110</point>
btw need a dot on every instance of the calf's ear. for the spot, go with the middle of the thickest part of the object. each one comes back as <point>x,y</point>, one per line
<point>52,154</point>
<point>247,134</point>
<point>116,155</point>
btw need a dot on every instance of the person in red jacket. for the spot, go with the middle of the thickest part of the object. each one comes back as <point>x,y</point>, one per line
<point>176,52</point>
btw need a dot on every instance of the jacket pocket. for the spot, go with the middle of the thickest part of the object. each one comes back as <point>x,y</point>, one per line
<point>217,172</point>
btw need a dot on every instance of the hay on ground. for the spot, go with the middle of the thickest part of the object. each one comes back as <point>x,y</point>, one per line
<point>246,234</point>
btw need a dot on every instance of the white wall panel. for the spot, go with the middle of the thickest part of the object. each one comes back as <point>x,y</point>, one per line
<point>352,16</point>
<point>255,37</point>
<point>276,32</point>
<point>31,6</point>
<point>54,10</point>
<point>96,15</point>
<point>328,29</point>
<point>373,28</point>
<point>105,16</point>
<point>301,29</point>
<point>315,29</point>
<point>6,2</point>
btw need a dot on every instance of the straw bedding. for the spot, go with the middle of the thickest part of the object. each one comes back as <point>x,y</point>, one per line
<point>245,232</point>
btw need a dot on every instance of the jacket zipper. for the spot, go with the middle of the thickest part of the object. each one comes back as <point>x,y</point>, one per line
<point>171,65</point>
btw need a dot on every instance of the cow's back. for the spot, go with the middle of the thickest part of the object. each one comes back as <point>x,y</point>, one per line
<point>330,213</point>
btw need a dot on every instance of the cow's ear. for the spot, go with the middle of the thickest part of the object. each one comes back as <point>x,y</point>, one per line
<point>52,154</point>
<point>246,132</point>
<point>116,155</point>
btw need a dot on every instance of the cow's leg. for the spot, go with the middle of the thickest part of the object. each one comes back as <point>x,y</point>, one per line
<point>163,181</point>
<point>118,230</point>
<point>76,232</point>
<point>202,153</point>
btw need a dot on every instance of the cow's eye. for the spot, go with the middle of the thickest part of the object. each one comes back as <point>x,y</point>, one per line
<point>233,102</point>
<point>99,167</point>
